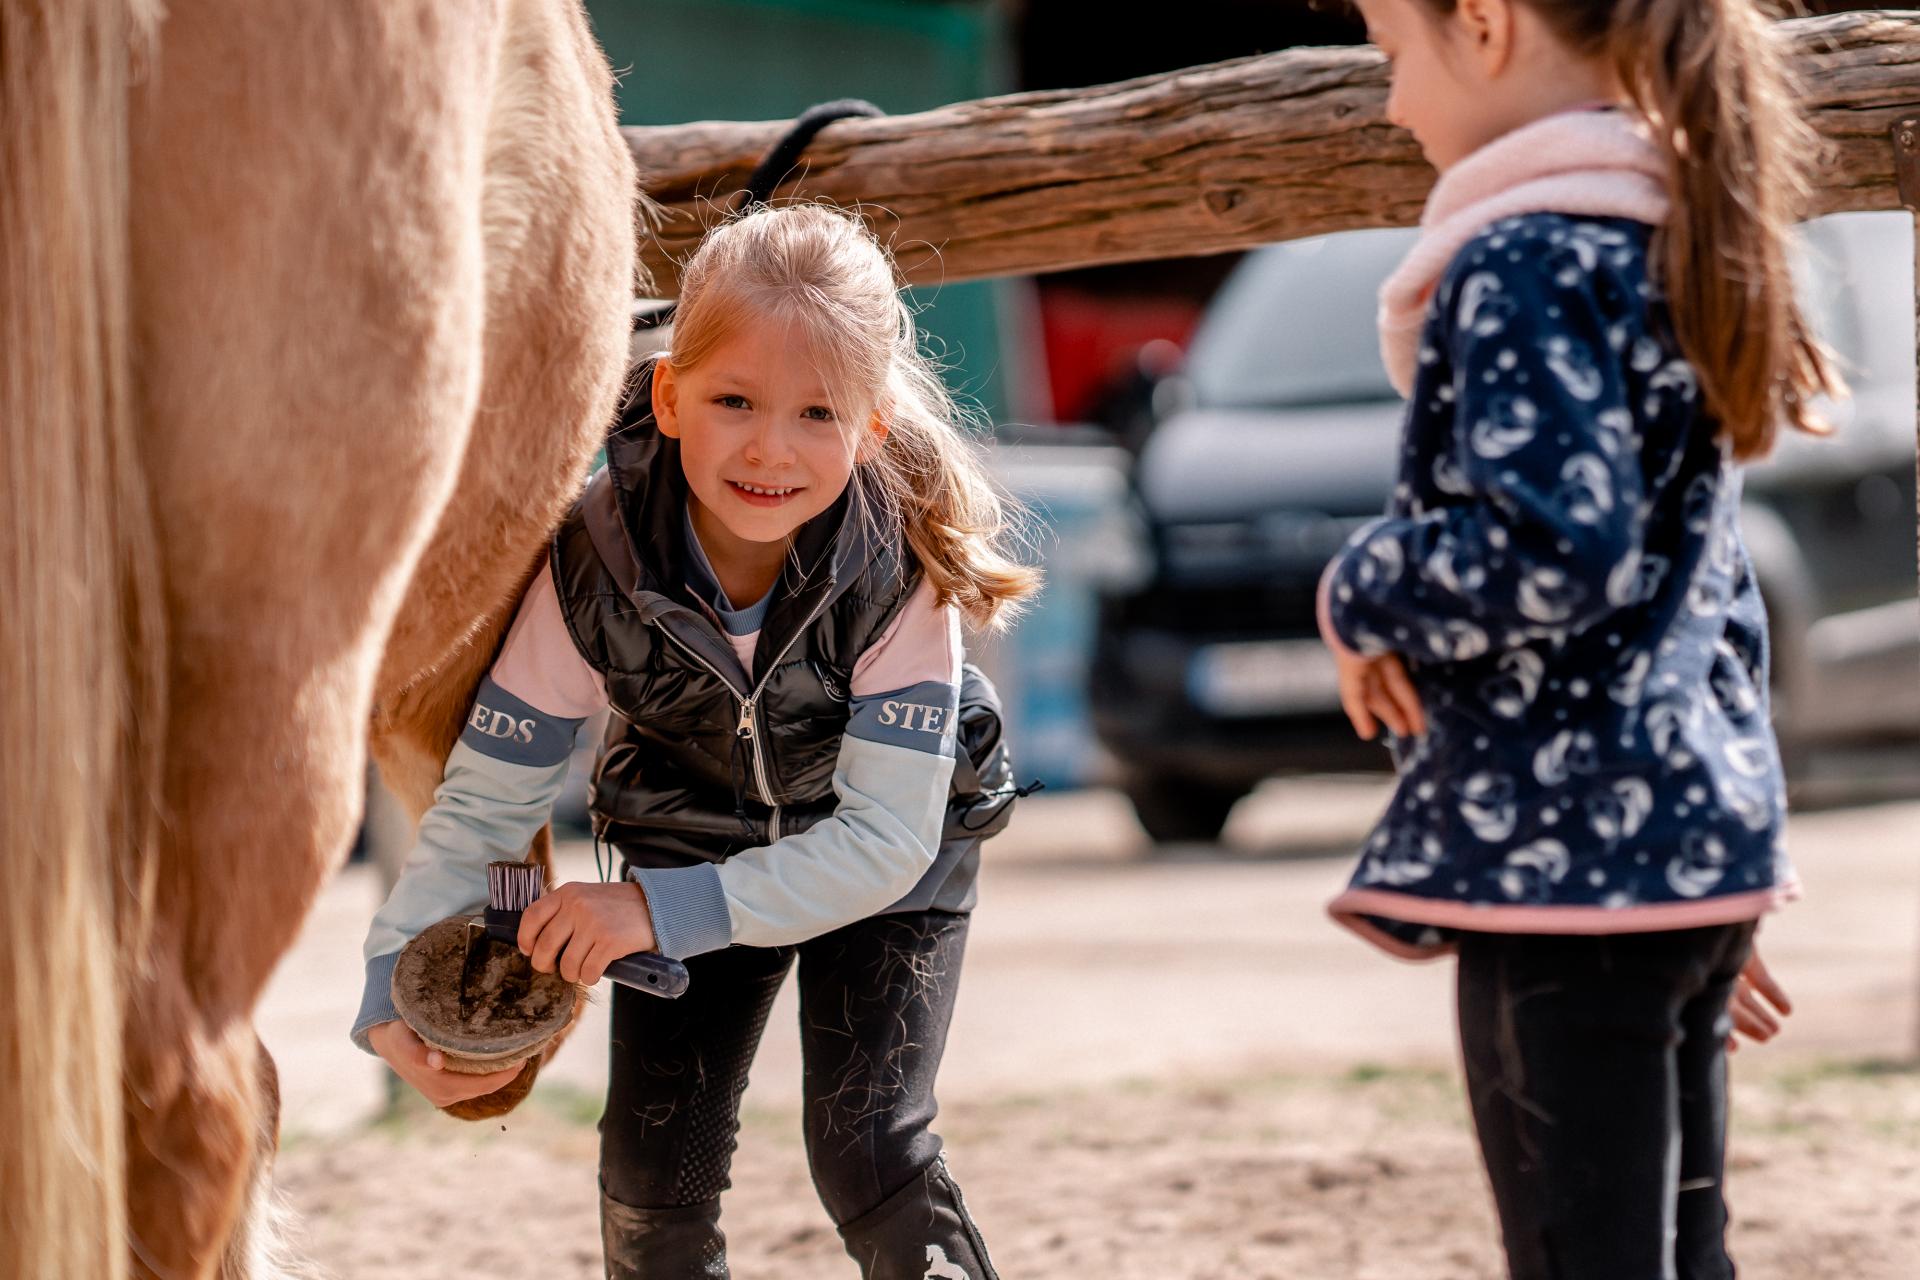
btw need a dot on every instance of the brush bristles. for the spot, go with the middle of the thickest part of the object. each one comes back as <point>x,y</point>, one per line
<point>512,886</point>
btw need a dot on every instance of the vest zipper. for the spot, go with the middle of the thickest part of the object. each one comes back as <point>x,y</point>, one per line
<point>745,729</point>
<point>743,732</point>
<point>746,708</point>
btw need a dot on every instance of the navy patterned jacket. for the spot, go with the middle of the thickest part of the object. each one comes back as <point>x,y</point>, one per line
<point>1561,567</point>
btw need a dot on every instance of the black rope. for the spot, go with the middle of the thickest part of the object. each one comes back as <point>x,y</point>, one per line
<point>785,154</point>
<point>1006,796</point>
<point>770,173</point>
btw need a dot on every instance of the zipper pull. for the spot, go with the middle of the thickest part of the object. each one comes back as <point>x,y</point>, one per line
<point>742,734</point>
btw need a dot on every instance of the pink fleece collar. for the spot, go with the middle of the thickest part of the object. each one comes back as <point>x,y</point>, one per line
<point>1597,164</point>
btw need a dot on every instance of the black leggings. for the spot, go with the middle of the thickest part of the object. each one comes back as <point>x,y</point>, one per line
<point>876,998</point>
<point>1597,1071</point>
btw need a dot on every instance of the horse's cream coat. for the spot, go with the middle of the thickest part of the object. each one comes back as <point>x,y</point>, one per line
<point>313,316</point>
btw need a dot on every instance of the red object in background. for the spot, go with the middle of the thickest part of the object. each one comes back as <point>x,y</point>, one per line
<point>1092,340</point>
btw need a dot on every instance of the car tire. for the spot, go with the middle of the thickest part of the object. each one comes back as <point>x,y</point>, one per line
<point>1180,810</point>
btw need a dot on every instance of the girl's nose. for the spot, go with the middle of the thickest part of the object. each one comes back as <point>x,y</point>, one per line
<point>1394,116</point>
<point>768,445</point>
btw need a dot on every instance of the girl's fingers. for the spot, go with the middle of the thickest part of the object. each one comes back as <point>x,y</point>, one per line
<point>458,1088</point>
<point>546,947</point>
<point>1385,709</point>
<point>1353,701</point>
<point>570,959</point>
<point>534,919</point>
<point>1751,1018</point>
<point>595,967</point>
<point>1766,984</point>
<point>1399,687</point>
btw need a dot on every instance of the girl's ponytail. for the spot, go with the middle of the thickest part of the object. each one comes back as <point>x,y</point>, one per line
<point>954,515</point>
<point>1710,78</point>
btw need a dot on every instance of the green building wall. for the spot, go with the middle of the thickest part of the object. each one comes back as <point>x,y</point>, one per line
<point>684,60</point>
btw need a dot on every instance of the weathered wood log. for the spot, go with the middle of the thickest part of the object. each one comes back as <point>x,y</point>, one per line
<point>1192,162</point>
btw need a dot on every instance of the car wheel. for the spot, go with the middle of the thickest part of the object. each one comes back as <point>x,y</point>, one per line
<point>1181,811</point>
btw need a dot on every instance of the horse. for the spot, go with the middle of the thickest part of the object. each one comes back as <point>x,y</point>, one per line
<point>311,319</point>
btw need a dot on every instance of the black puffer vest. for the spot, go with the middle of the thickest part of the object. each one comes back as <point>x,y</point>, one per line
<point>704,758</point>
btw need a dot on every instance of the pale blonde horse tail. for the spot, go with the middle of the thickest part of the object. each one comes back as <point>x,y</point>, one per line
<point>81,663</point>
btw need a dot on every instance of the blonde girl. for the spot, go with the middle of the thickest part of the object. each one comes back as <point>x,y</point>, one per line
<point>766,585</point>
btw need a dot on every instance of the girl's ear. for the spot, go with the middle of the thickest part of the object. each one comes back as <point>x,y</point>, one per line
<point>1487,26</point>
<point>872,439</point>
<point>666,400</point>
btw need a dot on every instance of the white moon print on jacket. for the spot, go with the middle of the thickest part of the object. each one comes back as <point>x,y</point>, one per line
<point>1562,570</point>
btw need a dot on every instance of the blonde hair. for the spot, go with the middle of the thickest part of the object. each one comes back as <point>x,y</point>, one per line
<point>817,267</point>
<point>82,641</point>
<point>1709,77</point>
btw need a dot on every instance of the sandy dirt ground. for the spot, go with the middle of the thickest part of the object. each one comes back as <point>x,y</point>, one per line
<point>1167,1066</point>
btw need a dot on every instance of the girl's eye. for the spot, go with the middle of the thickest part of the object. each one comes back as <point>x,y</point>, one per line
<point>818,413</point>
<point>731,402</point>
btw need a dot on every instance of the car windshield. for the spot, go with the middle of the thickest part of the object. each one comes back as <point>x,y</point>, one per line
<point>1294,325</point>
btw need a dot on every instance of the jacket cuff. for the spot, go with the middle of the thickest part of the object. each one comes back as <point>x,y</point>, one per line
<point>689,908</point>
<point>376,1002</point>
<point>1346,595</point>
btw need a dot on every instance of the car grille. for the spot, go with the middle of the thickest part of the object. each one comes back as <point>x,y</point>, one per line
<point>1244,609</point>
<point>1250,578</point>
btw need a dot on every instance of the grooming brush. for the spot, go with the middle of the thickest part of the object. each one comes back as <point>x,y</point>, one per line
<point>512,888</point>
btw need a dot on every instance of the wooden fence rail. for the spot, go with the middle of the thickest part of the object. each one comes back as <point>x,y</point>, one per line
<point>1192,162</point>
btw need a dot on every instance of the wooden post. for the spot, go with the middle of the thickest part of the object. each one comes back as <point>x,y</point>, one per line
<point>1192,162</point>
<point>1906,167</point>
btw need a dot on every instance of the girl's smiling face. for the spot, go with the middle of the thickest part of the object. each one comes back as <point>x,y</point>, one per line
<point>764,444</point>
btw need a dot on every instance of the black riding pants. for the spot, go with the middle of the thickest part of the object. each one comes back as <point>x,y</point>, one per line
<point>876,999</point>
<point>1597,1070</point>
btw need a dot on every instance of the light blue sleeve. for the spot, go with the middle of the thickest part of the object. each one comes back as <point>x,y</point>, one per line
<point>497,792</point>
<point>890,784</point>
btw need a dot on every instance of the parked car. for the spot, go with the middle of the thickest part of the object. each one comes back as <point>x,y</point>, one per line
<point>1211,677</point>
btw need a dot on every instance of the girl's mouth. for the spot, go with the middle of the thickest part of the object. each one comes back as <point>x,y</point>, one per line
<point>762,495</point>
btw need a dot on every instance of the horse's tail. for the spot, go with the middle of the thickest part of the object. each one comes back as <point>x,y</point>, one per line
<point>81,666</point>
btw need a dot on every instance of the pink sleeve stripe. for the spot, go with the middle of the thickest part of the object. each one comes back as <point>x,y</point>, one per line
<point>539,663</point>
<point>921,646</point>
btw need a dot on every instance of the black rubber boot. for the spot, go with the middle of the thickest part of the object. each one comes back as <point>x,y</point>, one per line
<point>663,1244</point>
<point>921,1232</point>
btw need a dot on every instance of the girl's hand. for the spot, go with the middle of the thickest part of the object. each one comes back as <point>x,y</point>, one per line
<point>580,929</point>
<point>1372,690</point>
<point>1376,691</point>
<point>1758,1004</point>
<point>425,1069</point>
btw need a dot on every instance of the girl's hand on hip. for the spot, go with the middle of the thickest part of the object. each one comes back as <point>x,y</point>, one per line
<point>1376,691</point>
<point>579,929</point>
<point>1759,1003</point>
<point>1373,691</point>
<point>425,1069</point>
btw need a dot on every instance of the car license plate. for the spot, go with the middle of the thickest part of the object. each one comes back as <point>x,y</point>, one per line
<point>1266,677</point>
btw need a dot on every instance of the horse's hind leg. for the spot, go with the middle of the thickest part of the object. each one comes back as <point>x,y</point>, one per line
<point>559,279</point>
<point>260,1247</point>
<point>308,297</point>
<point>558,232</point>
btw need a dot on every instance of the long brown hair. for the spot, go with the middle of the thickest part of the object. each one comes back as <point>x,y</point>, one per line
<point>1710,79</point>
<point>824,270</point>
